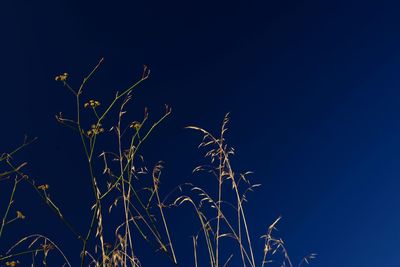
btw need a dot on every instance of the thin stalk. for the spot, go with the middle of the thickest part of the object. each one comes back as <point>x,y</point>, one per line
<point>160,206</point>
<point>3,223</point>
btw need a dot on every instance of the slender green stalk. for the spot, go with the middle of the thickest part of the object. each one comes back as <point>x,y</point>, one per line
<point>11,200</point>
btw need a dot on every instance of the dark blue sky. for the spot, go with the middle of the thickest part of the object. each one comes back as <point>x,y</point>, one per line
<point>312,87</point>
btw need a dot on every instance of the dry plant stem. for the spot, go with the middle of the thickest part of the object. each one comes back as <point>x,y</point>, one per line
<point>154,232</point>
<point>134,151</point>
<point>195,250</point>
<point>127,192</point>
<point>225,170</point>
<point>11,200</point>
<point>153,228</point>
<point>228,260</point>
<point>220,181</point>
<point>268,238</point>
<point>223,217</point>
<point>35,238</point>
<point>160,206</point>
<point>142,232</point>
<point>89,149</point>
<point>26,142</point>
<point>225,164</point>
<point>21,254</point>
<point>124,193</point>
<point>228,223</point>
<point>88,153</point>
<point>46,199</point>
<point>97,206</point>
<point>241,214</point>
<point>204,226</point>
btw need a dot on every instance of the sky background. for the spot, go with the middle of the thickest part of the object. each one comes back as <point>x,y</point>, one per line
<point>312,88</point>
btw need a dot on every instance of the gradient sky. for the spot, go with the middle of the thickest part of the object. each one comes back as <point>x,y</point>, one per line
<point>312,88</point>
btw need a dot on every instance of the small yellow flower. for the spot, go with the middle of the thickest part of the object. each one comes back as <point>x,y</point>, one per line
<point>92,103</point>
<point>20,215</point>
<point>95,129</point>
<point>135,125</point>
<point>43,187</point>
<point>62,77</point>
<point>12,263</point>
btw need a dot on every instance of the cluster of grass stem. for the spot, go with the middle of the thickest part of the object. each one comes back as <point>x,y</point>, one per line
<point>140,207</point>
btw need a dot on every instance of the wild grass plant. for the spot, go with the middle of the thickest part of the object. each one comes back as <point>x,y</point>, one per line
<point>121,189</point>
<point>11,176</point>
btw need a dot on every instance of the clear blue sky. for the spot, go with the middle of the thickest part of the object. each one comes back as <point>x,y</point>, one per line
<point>312,87</point>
